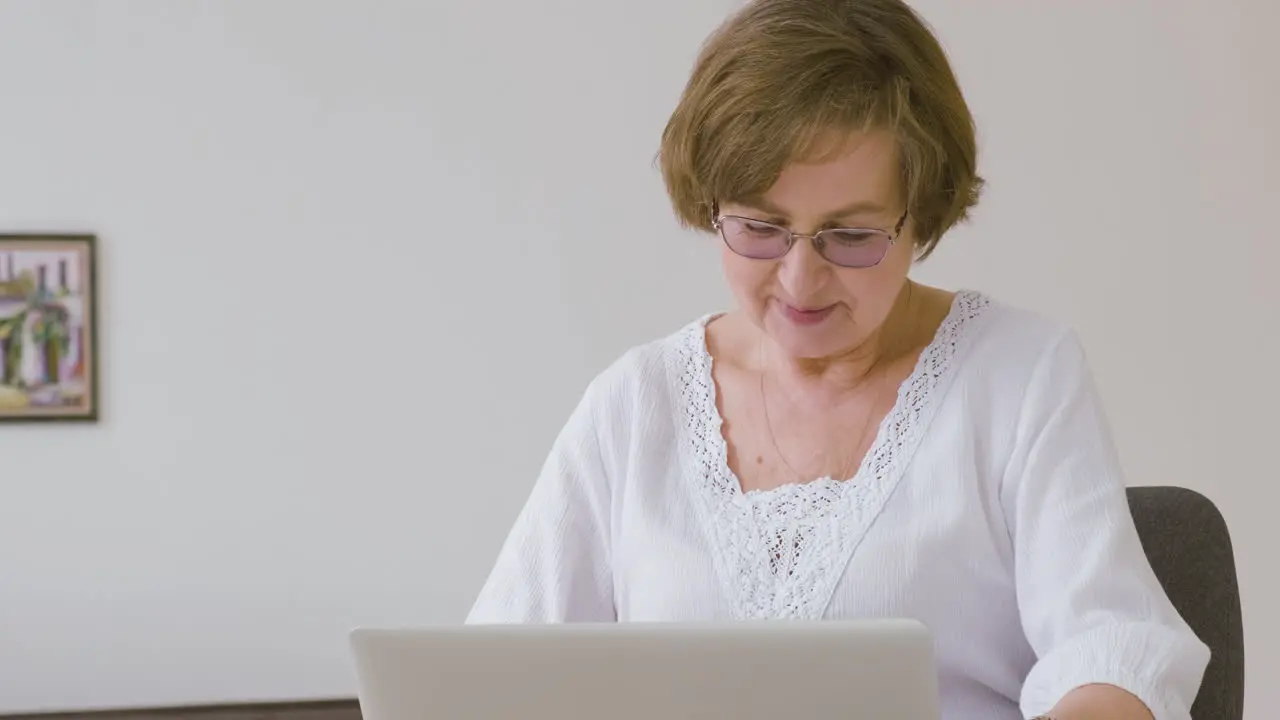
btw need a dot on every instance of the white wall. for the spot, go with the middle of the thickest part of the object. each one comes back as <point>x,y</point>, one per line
<point>359,259</point>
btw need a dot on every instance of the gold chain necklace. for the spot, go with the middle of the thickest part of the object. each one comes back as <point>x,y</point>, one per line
<point>862,436</point>
<point>866,424</point>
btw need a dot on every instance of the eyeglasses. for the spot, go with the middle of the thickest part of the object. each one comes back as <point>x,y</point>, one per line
<point>846,247</point>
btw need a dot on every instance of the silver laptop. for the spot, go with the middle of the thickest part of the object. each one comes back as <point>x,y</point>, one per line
<point>798,670</point>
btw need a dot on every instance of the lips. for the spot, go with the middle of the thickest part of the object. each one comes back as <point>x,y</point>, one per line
<point>806,316</point>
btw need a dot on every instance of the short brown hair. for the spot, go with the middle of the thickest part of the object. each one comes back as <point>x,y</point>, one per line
<point>778,73</point>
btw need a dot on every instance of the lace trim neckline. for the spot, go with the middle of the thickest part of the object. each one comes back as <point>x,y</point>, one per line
<point>965,306</point>
<point>779,552</point>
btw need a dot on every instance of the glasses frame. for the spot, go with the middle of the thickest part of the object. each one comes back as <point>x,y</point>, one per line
<point>816,238</point>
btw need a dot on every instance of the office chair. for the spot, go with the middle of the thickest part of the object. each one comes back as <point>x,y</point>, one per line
<point>1189,547</point>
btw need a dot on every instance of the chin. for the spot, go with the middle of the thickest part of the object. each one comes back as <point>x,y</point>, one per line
<point>829,339</point>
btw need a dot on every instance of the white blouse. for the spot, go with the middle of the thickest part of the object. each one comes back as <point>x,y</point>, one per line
<point>990,507</point>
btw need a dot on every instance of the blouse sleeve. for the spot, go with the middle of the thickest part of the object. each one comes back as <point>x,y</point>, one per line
<point>554,564</point>
<point>1091,606</point>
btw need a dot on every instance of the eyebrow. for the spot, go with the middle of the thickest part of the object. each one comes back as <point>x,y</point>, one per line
<point>861,207</point>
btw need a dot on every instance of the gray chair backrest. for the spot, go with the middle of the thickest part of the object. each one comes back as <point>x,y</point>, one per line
<point>1189,547</point>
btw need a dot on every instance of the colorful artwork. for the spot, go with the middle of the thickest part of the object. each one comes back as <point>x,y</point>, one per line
<point>48,333</point>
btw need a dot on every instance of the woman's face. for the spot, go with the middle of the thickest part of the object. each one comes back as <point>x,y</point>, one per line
<point>811,308</point>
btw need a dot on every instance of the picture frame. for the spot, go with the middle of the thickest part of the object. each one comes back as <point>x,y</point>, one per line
<point>49,334</point>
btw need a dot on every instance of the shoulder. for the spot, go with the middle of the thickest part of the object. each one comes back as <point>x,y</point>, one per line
<point>1009,357</point>
<point>644,373</point>
<point>1013,341</point>
<point>636,400</point>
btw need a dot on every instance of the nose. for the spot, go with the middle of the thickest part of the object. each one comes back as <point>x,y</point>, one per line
<point>802,271</point>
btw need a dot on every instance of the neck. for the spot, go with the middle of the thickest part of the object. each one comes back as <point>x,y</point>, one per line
<point>895,337</point>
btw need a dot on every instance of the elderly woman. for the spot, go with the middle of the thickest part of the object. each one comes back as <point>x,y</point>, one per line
<point>847,443</point>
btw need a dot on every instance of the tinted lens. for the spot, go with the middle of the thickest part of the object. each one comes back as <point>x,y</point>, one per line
<point>755,239</point>
<point>854,248</point>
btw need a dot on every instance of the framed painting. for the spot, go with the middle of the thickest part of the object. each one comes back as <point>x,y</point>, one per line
<point>48,328</point>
